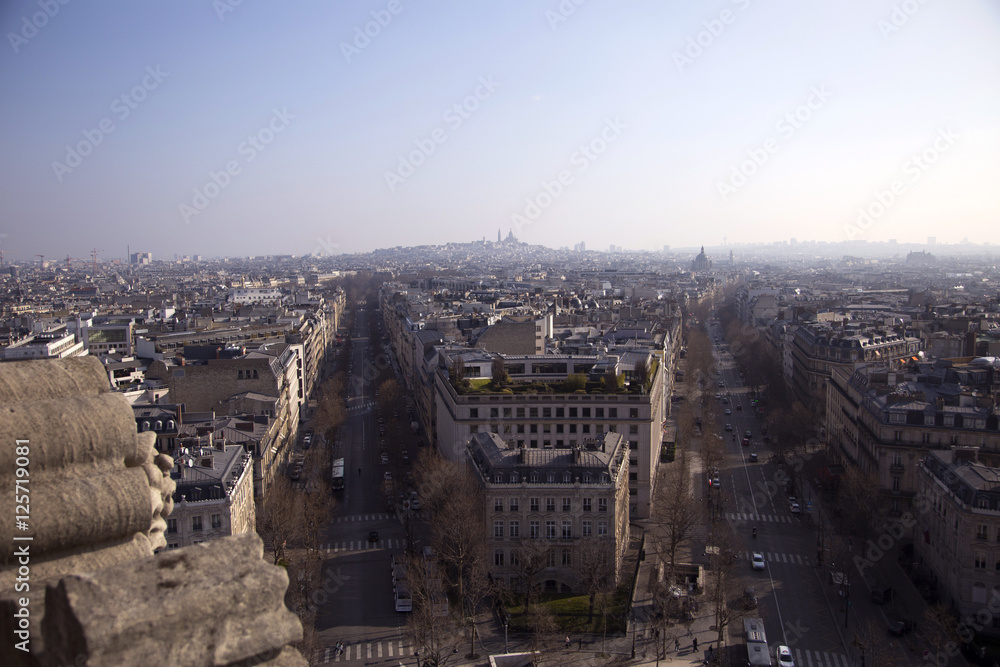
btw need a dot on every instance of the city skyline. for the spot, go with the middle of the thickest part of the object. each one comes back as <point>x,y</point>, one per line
<point>233,129</point>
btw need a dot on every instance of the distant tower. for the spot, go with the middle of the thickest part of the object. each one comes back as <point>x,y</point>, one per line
<point>498,235</point>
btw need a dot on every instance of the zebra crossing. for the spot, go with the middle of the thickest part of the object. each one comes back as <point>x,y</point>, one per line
<point>791,559</point>
<point>391,648</point>
<point>364,517</point>
<point>806,658</point>
<point>364,406</point>
<point>363,545</point>
<point>765,518</point>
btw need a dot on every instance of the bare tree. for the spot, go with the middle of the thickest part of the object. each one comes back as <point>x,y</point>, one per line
<point>388,395</point>
<point>939,628</point>
<point>277,518</point>
<point>544,629</point>
<point>675,513</point>
<point>870,639</point>
<point>434,633</point>
<point>499,373</point>
<point>724,591</point>
<point>529,559</point>
<point>596,568</point>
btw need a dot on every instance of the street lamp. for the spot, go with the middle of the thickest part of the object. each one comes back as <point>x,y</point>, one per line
<point>505,635</point>
<point>633,635</point>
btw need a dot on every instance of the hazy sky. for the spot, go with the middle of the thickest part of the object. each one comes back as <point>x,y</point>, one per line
<point>250,127</point>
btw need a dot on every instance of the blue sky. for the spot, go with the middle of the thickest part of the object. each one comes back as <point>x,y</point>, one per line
<point>279,128</point>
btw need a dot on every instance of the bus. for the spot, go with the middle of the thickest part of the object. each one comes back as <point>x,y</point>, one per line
<point>338,474</point>
<point>755,642</point>
<point>400,589</point>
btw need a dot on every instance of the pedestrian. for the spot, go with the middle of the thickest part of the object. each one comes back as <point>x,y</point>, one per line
<point>567,642</point>
<point>677,645</point>
<point>694,644</point>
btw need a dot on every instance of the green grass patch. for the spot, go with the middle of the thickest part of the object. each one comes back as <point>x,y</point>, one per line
<point>570,613</point>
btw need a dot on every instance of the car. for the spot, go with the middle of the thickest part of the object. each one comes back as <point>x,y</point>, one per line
<point>900,627</point>
<point>753,457</point>
<point>750,597</point>
<point>794,508</point>
<point>387,476</point>
<point>729,427</point>
<point>415,504</point>
<point>725,401</point>
<point>746,442</point>
<point>784,657</point>
<point>406,456</point>
<point>728,411</point>
<point>718,396</point>
<point>739,407</point>
<point>385,458</point>
<point>757,561</point>
<point>373,536</point>
<point>748,433</point>
<point>722,384</point>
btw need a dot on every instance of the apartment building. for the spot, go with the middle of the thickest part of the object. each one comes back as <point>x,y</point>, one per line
<point>214,495</point>
<point>57,344</point>
<point>885,421</point>
<point>959,533</point>
<point>544,409</point>
<point>552,505</point>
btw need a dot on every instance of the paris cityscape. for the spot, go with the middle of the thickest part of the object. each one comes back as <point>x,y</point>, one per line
<point>560,333</point>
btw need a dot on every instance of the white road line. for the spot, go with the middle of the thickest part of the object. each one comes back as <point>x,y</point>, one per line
<point>326,658</point>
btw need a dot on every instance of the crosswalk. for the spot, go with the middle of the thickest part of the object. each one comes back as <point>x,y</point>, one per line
<point>791,559</point>
<point>363,545</point>
<point>806,658</point>
<point>364,406</point>
<point>364,517</point>
<point>764,518</point>
<point>391,648</point>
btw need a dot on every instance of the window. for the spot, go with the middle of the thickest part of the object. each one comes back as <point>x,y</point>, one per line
<point>172,527</point>
<point>506,413</point>
<point>602,504</point>
<point>633,462</point>
<point>559,428</point>
<point>515,558</point>
<point>550,558</point>
<point>633,477</point>
<point>494,413</point>
<point>514,502</point>
<point>533,428</point>
<point>586,505</point>
<point>506,429</point>
<point>979,592</point>
<point>239,374</point>
<point>533,503</point>
<point>173,545</point>
<point>633,413</point>
<point>498,558</point>
<point>633,429</point>
<point>613,413</point>
<point>560,412</point>
<point>567,478</point>
<point>196,523</point>
<point>980,562</point>
<point>572,428</point>
<point>586,527</point>
<point>602,528</point>
<point>567,559</point>
<point>897,459</point>
<point>599,413</point>
<point>546,412</point>
<point>585,412</point>
<point>586,428</point>
<point>567,529</point>
<point>498,529</point>
<point>519,413</point>
<point>534,445</point>
<point>216,521</point>
<point>520,428</point>
<point>550,504</point>
<point>550,529</point>
<point>473,413</point>
<point>515,529</point>
<point>981,533</point>
<point>533,529</point>
<point>566,504</point>
<point>572,412</point>
<point>498,504</point>
<point>586,478</point>
<point>533,412</point>
<point>895,482</point>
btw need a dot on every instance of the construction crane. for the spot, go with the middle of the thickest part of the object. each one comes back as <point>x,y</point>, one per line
<point>93,253</point>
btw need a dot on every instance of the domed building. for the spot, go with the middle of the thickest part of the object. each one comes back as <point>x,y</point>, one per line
<point>701,262</point>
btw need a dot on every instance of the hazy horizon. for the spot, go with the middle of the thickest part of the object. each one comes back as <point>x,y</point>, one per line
<point>234,129</point>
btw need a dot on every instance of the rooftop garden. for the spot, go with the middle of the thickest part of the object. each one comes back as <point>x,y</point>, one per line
<point>575,383</point>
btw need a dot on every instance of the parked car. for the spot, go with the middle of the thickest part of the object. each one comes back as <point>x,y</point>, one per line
<point>385,458</point>
<point>900,627</point>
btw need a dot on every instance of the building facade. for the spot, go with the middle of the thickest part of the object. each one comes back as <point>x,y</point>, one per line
<point>553,506</point>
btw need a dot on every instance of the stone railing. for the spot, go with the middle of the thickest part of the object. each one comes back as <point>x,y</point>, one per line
<point>79,580</point>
